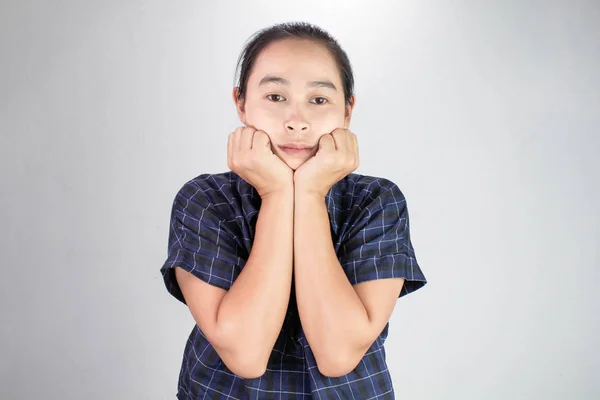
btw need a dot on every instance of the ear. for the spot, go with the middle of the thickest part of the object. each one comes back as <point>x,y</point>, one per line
<point>349,109</point>
<point>239,105</point>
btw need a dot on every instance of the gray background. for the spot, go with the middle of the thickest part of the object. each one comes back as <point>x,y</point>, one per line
<point>486,114</point>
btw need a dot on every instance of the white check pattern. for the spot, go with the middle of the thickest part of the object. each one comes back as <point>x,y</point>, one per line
<point>211,233</point>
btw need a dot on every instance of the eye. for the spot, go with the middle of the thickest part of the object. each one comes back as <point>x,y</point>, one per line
<point>270,96</point>
<point>324,100</point>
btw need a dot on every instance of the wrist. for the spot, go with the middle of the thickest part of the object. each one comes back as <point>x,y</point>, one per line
<point>283,192</point>
<point>309,194</point>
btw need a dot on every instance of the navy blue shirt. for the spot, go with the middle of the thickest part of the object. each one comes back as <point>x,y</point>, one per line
<point>213,220</point>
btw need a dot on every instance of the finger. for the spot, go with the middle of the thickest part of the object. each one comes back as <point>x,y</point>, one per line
<point>246,138</point>
<point>350,141</point>
<point>236,139</point>
<point>340,138</point>
<point>327,143</point>
<point>261,140</point>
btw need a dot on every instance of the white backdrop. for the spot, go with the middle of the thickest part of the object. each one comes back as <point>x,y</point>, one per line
<point>487,116</point>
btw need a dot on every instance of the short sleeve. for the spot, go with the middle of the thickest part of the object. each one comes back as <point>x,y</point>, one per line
<point>199,243</point>
<point>377,244</point>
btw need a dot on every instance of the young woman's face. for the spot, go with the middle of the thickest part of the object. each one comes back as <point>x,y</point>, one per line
<point>295,95</point>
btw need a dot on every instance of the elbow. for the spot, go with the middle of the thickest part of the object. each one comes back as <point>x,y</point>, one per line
<point>335,365</point>
<point>336,361</point>
<point>245,363</point>
<point>246,369</point>
<point>241,357</point>
<point>335,369</point>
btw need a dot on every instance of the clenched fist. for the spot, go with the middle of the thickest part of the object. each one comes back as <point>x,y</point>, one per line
<point>337,157</point>
<point>250,156</point>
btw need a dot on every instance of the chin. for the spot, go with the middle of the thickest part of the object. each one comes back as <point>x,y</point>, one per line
<point>294,163</point>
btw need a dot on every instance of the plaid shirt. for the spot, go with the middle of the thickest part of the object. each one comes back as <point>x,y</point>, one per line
<point>212,228</point>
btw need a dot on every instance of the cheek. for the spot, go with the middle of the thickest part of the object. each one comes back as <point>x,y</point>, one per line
<point>263,118</point>
<point>327,122</point>
<point>330,116</point>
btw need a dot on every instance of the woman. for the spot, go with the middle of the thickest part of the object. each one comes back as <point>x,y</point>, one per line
<point>290,263</point>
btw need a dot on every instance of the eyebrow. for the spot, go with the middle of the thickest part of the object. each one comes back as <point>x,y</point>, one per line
<point>282,81</point>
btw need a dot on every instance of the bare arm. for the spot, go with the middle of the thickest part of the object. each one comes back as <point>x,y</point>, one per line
<point>243,323</point>
<point>340,321</point>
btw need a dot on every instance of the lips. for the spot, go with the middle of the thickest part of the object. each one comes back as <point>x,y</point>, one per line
<point>295,146</point>
<point>296,149</point>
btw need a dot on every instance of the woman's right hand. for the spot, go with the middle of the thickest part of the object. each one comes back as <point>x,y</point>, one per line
<point>250,156</point>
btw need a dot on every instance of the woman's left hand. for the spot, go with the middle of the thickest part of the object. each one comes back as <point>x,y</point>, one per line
<point>336,158</point>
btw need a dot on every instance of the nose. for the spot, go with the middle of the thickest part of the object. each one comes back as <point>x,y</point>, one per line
<point>296,127</point>
<point>296,124</point>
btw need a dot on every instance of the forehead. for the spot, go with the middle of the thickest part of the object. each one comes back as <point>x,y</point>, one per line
<point>295,60</point>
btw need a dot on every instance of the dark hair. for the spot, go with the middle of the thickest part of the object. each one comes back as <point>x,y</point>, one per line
<point>297,30</point>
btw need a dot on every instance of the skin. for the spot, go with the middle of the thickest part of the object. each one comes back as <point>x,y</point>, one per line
<point>294,113</point>
<point>293,235</point>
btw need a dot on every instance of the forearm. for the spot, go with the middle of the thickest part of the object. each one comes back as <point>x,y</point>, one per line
<point>252,312</point>
<point>333,317</point>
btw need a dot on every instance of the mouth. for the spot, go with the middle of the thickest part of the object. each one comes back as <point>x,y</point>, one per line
<point>296,150</point>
